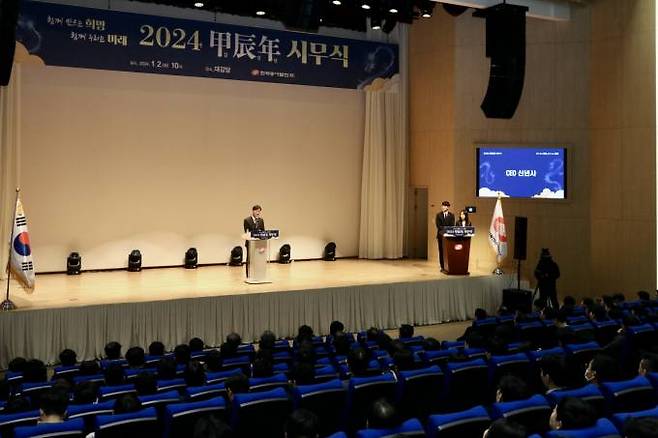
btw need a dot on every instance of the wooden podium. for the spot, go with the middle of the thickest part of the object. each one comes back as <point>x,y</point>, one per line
<point>259,251</point>
<point>456,249</point>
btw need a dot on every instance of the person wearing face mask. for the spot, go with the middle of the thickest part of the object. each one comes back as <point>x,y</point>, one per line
<point>602,368</point>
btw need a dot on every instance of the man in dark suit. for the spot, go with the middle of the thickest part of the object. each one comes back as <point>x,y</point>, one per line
<point>253,223</point>
<point>443,219</point>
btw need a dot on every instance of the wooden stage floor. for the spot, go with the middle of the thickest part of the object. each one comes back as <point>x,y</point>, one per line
<point>113,287</point>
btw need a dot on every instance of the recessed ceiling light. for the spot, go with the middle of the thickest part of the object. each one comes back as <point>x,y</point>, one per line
<point>393,11</point>
<point>337,2</point>
<point>365,6</point>
<point>198,4</point>
<point>427,15</point>
<point>260,13</point>
<point>376,27</point>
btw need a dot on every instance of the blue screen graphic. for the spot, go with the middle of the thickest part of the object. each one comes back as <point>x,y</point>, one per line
<point>522,172</point>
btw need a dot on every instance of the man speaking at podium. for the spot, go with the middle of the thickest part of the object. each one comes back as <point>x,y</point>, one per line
<point>443,219</point>
<point>253,223</point>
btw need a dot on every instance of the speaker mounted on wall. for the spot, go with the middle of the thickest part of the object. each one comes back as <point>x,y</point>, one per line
<point>505,46</point>
<point>8,19</point>
<point>520,237</point>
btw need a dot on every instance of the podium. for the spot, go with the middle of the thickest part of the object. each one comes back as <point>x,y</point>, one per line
<point>456,249</point>
<point>259,251</point>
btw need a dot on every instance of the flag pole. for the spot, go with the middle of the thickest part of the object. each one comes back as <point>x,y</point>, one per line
<point>8,304</point>
<point>498,270</point>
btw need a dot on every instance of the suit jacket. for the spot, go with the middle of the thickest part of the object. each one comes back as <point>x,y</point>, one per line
<point>441,222</point>
<point>250,225</point>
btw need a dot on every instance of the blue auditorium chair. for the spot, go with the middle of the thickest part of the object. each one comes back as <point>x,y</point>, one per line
<point>88,412</point>
<point>65,372</point>
<point>14,377</point>
<point>605,331</point>
<point>602,429</point>
<point>582,353</point>
<point>35,390</point>
<point>247,349</point>
<point>96,378</point>
<point>584,332</point>
<point>282,356</point>
<point>180,418</point>
<point>327,400</point>
<point>74,428</point>
<point>411,427</point>
<point>338,435</point>
<point>445,345</point>
<point>536,333</point>
<point>653,379</point>
<point>169,384</point>
<point>142,424</point>
<point>620,419</point>
<point>363,391</point>
<point>467,383</point>
<point>160,399</point>
<point>9,421</point>
<point>577,319</point>
<point>198,393</point>
<point>242,362</point>
<point>114,392</point>
<point>132,373</point>
<point>641,336</point>
<point>281,345</point>
<point>506,319</point>
<point>278,380</point>
<point>469,423</point>
<point>326,373</point>
<point>105,363</point>
<point>533,413</point>
<point>413,341</point>
<point>590,393</point>
<point>439,357</point>
<point>420,391</point>
<point>515,364</point>
<point>221,376</point>
<point>260,413</point>
<point>629,395</point>
<point>486,326</point>
<point>475,353</point>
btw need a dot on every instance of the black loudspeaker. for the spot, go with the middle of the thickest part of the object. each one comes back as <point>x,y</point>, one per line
<point>301,15</point>
<point>517,299</point>
<point>8,19</point>
<point>520,237</point>
<point>505,46</point>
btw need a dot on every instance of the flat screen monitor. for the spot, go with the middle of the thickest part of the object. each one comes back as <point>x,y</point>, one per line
<point>531,172</point>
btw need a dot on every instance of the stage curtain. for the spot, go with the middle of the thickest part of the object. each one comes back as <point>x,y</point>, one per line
<point>384,171</point>
<point>9,160</point>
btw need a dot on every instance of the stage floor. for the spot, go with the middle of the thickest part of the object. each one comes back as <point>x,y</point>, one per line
<point>112,287</point>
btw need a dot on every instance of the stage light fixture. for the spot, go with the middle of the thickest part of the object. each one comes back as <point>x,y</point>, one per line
<point>330,252</point>
<point>198,4</point>
<point>284,254</point>
<point>337,2</point>
<point>135,261</point>
<point>73,264</point>
<point>236,256</point>
<point>191,258</point>
<point>365,6</point>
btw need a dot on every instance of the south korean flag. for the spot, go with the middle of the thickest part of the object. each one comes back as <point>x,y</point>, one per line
<point>20,262</point>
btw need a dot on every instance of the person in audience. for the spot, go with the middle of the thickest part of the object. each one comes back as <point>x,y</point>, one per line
<point>229,348</point>
<point>382,415</point>
<point>568,305</point>
<point>85,392</point>
<point>4,390</point>
<point>17,365</point>
<point>156,348</point>
<point>263,365</point>
<point>210,426</point>
<point>384,342</point>
<point>234,339</point>
<point>194,374</point>
<point>113,350</point>
<point>34,371</point>
<point>236,385</point>
<point>587,303</point>
<point>616,347</point>
<point>371,334</point>
<point>335,327</point>
<point>304,373</point>
<point>404,360</point>
<point>166,369</point>
<point>135,357</point>
<point>302,424</point>
<point>305,352</point>
<point>358,361</point>
<point>89,368</point>
<point>304,333</point>
<point>619,298</point>
<point>213,361</point>
<point>641,427</point>
<point>478,315</point>
<point>406,331</point>
<point>64,385</point>
<point>52,407</point>
<point>547,272</point>
<point>16,404</point>
<point>182,354</point>
<point>643,296</point>
<point>342,344</point>
<point>597,313</point>
<point>504,428</point>
<point>511,388</point>
<point>572,413</point>
<point>115,375</point>
<point>68,358</point>
<point>146,384</point>
<point>602,368</point>
<point>553,372</point>
<point>127,403</point>
<point>267,341</point>
<point>431,344</point>
<point>648,364</point>
<point>196,345</point>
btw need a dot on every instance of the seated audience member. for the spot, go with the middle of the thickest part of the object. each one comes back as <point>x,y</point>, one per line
<point>194,374</point>
<point>302,424</point>
<point>85,392</point>
<point>236,385</point>
<point>135,357</point>
<point>35,371</point>
<point>642,427</point>
<point>304,333</point>
<point>53,406</point>
<point>335,327</point>
<point>68,358</point>
<point>126,404</point>
<point>511,388</point>
<point>304,373</point>
<point>4,390</point>
<point>115,375</point>
<point>617,346</point>
<point>229,348</point>
<point>342,344</point>
<point>619,298</point>
<point>213,361</point>
<point>406,331</point>
<point>648,364</point>
<point>263,365</point>
<point>553,372</point>
<point>113,350</point>
<point>385,342</point>
<point>89,368</point>
<point>431,344</point>
<point>597,313</point>
<point>587,303</point>
<point>371,334</point>
<point>305,352</point>
<point>643,295</point>
<point>358,361</point>
<point>504,428</point>
<point>267,341</point>
<point>568,305</point>
<point>382,415</point>
<point>62,384</point>
<point>146,384</point>
<point>211,427</point>
<point>17,365</point>
<point>234,339</point>
<point>572,413</point>
<point>602,368</point>
<point>182,354</point>
<point>196,345</point>
<point>404,360</point>
<point>166,369</point>
<point>156,348</point>
<point>479,314</point>
<point>16,404</point>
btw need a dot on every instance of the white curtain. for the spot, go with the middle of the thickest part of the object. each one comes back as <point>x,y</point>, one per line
<point>10,112</point>
<point>384,178</point>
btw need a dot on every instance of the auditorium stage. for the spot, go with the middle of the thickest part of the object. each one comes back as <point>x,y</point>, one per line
<point>173,304</point>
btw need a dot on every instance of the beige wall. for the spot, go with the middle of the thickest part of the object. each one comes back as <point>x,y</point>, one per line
<point>114,161</point>
<point>623,161</point>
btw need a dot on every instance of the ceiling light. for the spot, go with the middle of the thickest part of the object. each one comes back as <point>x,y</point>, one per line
<point>337,2</point>
<point>365,6</point>
<point>198,4</point>
<point>260,13</point>
<point>393,11</point>
<point>427,15</point>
